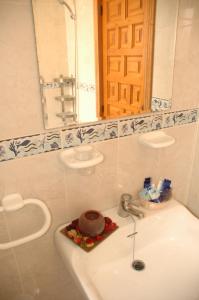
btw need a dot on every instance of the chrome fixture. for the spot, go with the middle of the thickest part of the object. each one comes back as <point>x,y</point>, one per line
<point>127,207</point>
<point>72,14</point>
<point>138,265</point>
<point>66,114</point>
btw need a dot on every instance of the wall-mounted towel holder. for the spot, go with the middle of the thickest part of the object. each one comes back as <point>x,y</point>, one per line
<point>14,202</point>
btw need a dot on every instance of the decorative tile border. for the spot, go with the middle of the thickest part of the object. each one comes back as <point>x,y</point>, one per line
<point>87,87</point>
<point>101,131</point>
<point>89,134</point>
<point>29,145</point>
<point>158,104</point>
<point>168,120</point>
<point>51,141</point>
<point>156,121</point>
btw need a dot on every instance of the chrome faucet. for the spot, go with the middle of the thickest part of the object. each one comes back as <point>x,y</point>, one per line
<point>127,207</point>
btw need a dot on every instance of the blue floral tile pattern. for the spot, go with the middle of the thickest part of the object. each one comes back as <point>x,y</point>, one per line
<point>55,140</point>
<point>193,115</point>
<point>181,117</point>
<point>5,153</point>
<point>158,104</point>
<point>111,130</point>
<point>135,125</point>
<point>20,147</point>
<point>69,138</point>
<point>143,124</point>
<point>26,146</point>
<point>126,127</point>
<point>89,134</point>
<point>156,122</point>
<point>168,120</point>
<point>51,141</point>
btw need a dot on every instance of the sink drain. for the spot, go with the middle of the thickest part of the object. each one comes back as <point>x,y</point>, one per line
<point>138,265</point>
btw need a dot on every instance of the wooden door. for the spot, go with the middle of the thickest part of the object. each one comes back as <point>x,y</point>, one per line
<point>127,27</point>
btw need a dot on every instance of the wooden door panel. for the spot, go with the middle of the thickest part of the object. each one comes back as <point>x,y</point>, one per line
<point>115,65</point>
<point>115,111</point>
<point>136,95</point>
<point>138,35</point>
<point>112,91</point>
<point>125,37</point>
<point>115,10</point>
<point>133,67</point>
<point>134,7</point>
<point>124,93</point>
<point>126,50</point>
<point>112,39</point>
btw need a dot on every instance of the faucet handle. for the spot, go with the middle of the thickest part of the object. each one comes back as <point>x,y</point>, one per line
<point>126,198</point>
<point>126,207</point>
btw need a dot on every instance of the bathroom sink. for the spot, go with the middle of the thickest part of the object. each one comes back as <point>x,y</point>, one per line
<point>168,243</point>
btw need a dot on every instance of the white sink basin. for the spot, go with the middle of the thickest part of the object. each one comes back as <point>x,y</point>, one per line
<point>168,243</point>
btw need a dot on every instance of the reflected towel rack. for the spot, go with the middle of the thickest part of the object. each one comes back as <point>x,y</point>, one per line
<point>14,202</point>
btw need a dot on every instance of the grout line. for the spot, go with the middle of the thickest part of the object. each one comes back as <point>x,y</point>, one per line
<point>14,254</point>
<point>193,157</point>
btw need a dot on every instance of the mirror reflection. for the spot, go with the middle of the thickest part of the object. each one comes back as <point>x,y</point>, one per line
<point>102,59</point>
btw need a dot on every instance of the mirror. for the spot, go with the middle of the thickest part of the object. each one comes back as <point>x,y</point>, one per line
<point>90,67</point>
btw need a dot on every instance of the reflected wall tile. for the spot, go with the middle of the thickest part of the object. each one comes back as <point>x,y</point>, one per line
<point>185,82</point>
<point>189,12</point>
<point>158,104</point>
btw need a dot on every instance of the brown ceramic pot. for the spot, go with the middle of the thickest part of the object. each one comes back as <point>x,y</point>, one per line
<point>91,223</point>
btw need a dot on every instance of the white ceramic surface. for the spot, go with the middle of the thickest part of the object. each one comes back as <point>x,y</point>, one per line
<point>157,139</point>
<point>168,243</point>
<point>69,159</point>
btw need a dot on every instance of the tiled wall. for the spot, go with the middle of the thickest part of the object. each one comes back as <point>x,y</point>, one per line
<point>35,267</point>
<point>29,166</point>
<point>186,80</point>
